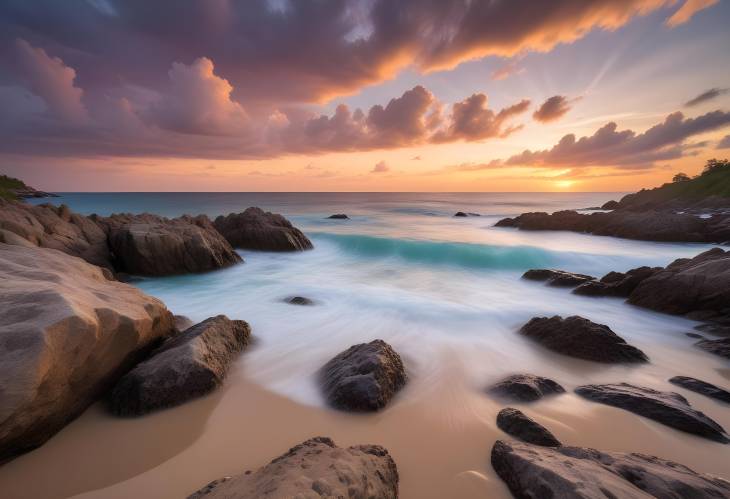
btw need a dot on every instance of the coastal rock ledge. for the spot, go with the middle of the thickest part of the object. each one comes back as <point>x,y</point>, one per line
<point>67,333</point>
<point>185,367</point>
<point>315,468</point>
<point>532,471</point>
<point>364,377</point>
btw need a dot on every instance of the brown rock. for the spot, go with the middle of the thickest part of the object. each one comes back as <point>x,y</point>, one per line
<point>256,229</point>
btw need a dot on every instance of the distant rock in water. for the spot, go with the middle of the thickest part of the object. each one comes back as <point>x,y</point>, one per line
<point>153,245</point>
<point>256,229</point>
<point>581,338</point>
<point>466,214</point>
<point>185,367</point>
<point>339,216</point>
<point>719,347</point>
<point>668,408</point>
<point>364,377</point>
<point>514,422</point>
<point>299,300</point>
<point>67,332</point>
<point>700,284</point>
<point>533,472</point>
<point>315,468</point>
<point>702,387</point>
<point>557,278</point>
<point>524,388</point>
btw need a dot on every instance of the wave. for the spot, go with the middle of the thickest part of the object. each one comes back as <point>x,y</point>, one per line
<point>467,255</point>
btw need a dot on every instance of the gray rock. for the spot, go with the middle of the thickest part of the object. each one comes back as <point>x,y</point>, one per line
<point>668,408</point>
<point>312,469</point>
<point>533,472</point>
<point>185,367</point>
<point>67,332</point>
<point>581,338</point>
<point>299,300</point>
<point>152,245</point>
<point>514,422</point>
<point>558,278</point>
<point>257,229</point>
<point>702,387</point>
<point>364,377</point>
<point>524,388</point>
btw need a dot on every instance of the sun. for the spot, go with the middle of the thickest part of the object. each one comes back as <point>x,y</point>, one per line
<point>564,184</point>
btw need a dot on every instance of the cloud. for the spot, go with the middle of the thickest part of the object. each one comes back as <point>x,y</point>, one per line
<point>416,158</point>
<point>610,147</point>
<point>198,101</point>
<point>380,167</point>
<point>552,109</point>
<point>471,119</point>
<point>724,143</point>
<point>510,69</point>
<point>51,80</point>
<point>709,95</point>
<point>689,9</point>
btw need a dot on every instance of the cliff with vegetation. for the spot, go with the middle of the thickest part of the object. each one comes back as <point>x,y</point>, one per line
<point>13,188</point>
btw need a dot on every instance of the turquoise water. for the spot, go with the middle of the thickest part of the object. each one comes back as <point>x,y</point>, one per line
<point>445,292</point>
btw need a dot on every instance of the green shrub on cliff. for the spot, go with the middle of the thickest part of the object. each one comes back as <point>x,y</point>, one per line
<point>8,186</point>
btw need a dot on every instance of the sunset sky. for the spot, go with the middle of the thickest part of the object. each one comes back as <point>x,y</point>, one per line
<point>410,95</point>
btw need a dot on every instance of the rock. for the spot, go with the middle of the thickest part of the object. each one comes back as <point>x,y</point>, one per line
<point>702,387</point>
<point>299,300</point>
<point>719,347</point>
<point>533,472</point>
<point>524,388</point>
<point>700,284</point>
<point>515,423</point>
<point>610,205</point>
<point>67,333</point>
<point>558,278</point>
<point>182,322</point>
<point>364,377</point>
<point>315,468</point>
<point>53,227</point>
<point>256,229</point>
<point>694,335</point>
<point>153,245</point>
<point>617,283</point>
<point>339,216</point>
<point>460,214</point>
<point>668,408</point>
<point>581,338</point>
<point>185,367</point>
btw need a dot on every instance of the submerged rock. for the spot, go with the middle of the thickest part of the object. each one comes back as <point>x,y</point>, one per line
<point>257,229</point>
<point>525,388</point>
<point>185,367</point>
<point>535,472</point>
<point>719,347</point>
<point>702,387</point>
<point>668,408</point>
<point>315,468</point>
<point>67,333</point>
<point>700,284</point>
<point>299,300</point>
<point>558,278</point>
<point>581,338</point>
<point>339,216</point>
<point>152,245</point>
<point>515,423</point>
<point>364,377</point>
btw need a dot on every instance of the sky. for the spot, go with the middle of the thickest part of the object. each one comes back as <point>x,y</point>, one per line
<point>368,95</point>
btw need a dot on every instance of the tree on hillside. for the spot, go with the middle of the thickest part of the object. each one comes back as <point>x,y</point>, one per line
<point>680,177</point>
<point>715,165</point>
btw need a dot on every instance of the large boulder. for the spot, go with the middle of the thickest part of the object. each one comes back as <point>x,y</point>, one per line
<point>700,284</point>
<point>703,387</point>
<point>257,229</point>
<point>153,245</point>
<point>54,227</point>
<point>514,422</point>
<point>67,333</point>
<point>315,468</point>
<point>533,472</point>
<point>524,388</point>
<point>620,284</point>
<point>668,408</point>
<point>185,367</point>
<point>581,338</point>
<point>557,278</point>
<point>364,377</point>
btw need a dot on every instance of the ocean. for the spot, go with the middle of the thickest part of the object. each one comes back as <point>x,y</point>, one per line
<point>445,292</point>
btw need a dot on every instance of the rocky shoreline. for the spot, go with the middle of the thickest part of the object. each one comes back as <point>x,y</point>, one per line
<point>76,334</point>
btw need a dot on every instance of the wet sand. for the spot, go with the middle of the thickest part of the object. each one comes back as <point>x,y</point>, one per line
<point>439,431</point>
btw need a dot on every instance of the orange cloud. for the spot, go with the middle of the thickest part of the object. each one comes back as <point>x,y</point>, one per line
<point>689,9</point>
<point>552,109</point>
